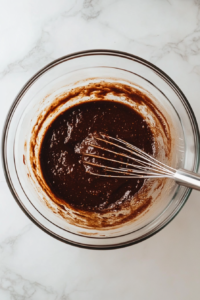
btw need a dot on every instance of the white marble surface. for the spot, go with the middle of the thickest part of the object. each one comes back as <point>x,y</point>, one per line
<point>32,264</point>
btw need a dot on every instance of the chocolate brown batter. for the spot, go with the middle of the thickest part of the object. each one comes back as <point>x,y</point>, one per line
<point>62,163</point>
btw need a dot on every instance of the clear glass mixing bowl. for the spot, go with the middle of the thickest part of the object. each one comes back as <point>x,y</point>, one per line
<point>74,68</point>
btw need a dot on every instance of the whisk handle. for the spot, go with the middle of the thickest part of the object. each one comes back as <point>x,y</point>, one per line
<point>187,178</point>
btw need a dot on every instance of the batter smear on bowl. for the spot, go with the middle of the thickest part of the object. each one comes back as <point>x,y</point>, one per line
<point>63,167</point>
<point>63,132</point>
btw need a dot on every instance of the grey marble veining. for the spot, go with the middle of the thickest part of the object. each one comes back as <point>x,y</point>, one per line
<point>32,264</point>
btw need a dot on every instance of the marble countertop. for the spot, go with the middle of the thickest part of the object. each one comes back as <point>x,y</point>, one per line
<point>35,266</point>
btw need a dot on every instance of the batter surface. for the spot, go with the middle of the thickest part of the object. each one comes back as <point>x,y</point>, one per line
<point>61,160</point>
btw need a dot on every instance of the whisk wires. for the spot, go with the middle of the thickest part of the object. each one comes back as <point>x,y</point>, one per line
<point>139,164</point>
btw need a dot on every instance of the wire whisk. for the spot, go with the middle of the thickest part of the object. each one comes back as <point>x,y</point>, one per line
<point>131,162</point>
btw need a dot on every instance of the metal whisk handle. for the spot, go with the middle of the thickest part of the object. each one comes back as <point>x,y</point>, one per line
<point>187,178</point>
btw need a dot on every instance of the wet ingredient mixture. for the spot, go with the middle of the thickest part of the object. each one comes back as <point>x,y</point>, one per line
<point>62,164</point>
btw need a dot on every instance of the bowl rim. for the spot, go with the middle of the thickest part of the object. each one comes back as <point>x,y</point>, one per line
<point>74,55</point>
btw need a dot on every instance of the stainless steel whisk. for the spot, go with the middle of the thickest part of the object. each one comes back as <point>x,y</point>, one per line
<point>142,165</point>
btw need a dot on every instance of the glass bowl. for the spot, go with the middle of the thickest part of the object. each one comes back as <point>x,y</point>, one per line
<point>59,75</point>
